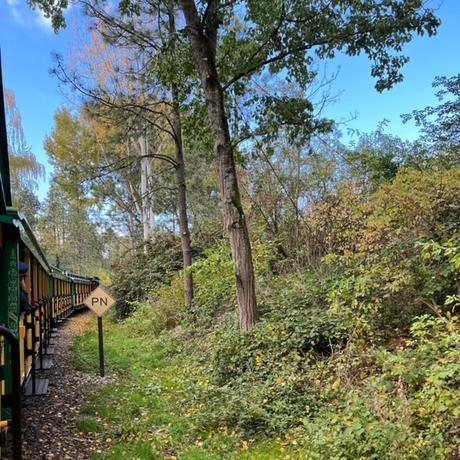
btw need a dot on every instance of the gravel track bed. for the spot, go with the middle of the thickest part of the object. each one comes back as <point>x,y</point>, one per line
<point>49,430</point>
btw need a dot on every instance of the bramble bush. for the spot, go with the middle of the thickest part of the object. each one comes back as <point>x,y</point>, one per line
<point>273,378</point>
<point>408,408</point>
<point>357,359</point>
<point>214,281</point>
<point>389,277</point>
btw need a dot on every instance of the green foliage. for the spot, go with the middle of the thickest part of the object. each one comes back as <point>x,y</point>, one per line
<point>373,403</point>
<point>376,157</point>
<point>361,298</point>
<point>144,412</point>
<point>440,124</point>
<point>259,379</point>
<point>163,310</point>
<point>397,259</point>
<point>87,425</point>
<point>214,279</point>
<point>407,410</point>
<point>331,348</point>
<point>295,114</point>
<point>136,277</point>
<point>71,239</point>
<point>356,359</point>
<point>442,267</point>
<point>72,150</point>
<point>215,287</point>
<point>380,30</point>
<point>417,204</point>
<point>379,167</point>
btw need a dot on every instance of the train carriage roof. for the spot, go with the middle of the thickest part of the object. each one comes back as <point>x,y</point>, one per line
<point>29,239</point>
<point>66,276</point>
<point>58,273</point>
<point>79,278</point>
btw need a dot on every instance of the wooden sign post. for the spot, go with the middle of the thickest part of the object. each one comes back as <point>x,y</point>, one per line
<point>100,301</point>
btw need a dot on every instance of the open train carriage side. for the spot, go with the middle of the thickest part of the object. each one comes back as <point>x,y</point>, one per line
<point>34,324</point>
<point>53,295</point>
<point>61,287</point>
<point>81,287</point>
<point>10,402</point>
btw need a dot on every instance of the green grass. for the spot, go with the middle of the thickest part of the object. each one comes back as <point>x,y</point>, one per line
<point>147,412</point>
<point>159,407</point>
<point>87,425</point>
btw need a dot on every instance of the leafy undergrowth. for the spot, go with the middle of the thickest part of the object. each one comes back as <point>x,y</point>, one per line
<point>378,404</point>
<point>147,413</point>
<point>358,358</point>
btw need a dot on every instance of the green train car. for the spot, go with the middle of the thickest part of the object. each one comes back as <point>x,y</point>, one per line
<point>26,337</point>
<point>53,293</point>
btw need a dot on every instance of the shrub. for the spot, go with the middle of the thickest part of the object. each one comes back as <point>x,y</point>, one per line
<point>281,374</point>
<point>389,277</point>
<point>407,410</point>
<point>258,380</point>
<point>214,282</point>
<point>138,275</point>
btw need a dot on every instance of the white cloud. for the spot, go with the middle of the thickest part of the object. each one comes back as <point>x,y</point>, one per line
<point>15,10</point>
<point>22,14</point>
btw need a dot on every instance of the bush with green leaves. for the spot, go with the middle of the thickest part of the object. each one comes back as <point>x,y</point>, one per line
<point>407,409</point>
<point>139,274</point>
<point>272,378</point>
<point>214,281</point>
<point>392,275</point>
<point>356,359</point>
<point>258,379</point>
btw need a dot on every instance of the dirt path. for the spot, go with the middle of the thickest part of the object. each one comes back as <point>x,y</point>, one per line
<point>49,430</point>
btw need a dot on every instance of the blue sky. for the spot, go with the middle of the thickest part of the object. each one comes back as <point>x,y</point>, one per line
<point>27,44</point>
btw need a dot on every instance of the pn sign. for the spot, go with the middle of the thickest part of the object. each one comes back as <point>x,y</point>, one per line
<point>99,301</point>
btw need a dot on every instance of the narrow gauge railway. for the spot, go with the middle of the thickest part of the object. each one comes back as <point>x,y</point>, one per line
<point>27,336</point>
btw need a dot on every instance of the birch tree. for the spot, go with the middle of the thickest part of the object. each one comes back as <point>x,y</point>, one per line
<point>25,169</point>
<point>148,101</point>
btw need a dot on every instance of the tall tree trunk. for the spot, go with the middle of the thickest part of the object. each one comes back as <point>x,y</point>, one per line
<point>150,201</point>
<point>185,238</point>
<point>186,241</point>
<point>203,49</point>
<point>144,159</point>
<point>132,233</point>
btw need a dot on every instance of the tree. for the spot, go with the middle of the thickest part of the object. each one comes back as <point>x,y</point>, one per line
<point>124,88</point>
<point>376,157</point>
<point>69,236</point>
<point>80,148</point>
<point>440,125</point>
<point>25,169</point>
<point>278,37</point>
<point>234,42</point>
